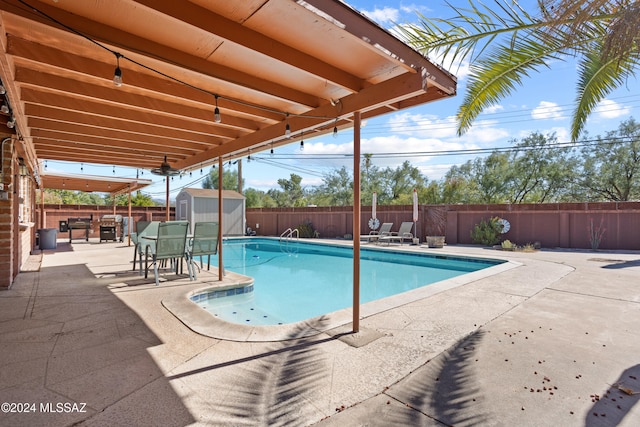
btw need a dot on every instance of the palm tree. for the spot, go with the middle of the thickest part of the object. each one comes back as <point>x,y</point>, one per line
<point>505,43</point>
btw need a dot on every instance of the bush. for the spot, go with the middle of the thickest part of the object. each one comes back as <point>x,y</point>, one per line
<point>487,232</point>
<point>508,245</point>
<point>306,230</point>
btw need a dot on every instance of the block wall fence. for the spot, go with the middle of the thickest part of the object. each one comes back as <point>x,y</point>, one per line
<point>553,225</point>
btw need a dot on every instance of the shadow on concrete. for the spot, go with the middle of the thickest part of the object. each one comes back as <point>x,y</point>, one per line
<point>456,390</point>
<point>275,383</point>
<point>445,389</point>
<point>623,264</point>
<point>69,341</point>
<point>614,405</point>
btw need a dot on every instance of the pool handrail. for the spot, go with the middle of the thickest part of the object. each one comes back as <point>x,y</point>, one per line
<point>288,234</point>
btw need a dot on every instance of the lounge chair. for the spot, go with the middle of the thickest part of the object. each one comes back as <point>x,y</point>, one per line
<point>404,232</point>
<point>204,242</point>
<point>169,244</point>
<point>374,235</point>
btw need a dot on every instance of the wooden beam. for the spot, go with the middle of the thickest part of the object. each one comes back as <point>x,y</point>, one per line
<point>141,47</point>
<point>234,32</point>
<point>390,91</point>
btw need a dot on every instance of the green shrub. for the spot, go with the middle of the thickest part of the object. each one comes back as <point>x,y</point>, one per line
<point>487,232</point>
<point>507,244</point>
<point>306,230</point>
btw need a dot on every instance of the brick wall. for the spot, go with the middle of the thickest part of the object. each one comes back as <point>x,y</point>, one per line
<point>8,243</point>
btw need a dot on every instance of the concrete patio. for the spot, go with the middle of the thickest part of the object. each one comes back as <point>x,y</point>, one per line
<point>553,341</point>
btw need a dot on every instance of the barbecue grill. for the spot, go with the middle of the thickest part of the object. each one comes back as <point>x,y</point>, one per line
<point>79,224</point>
<point>111,228</point>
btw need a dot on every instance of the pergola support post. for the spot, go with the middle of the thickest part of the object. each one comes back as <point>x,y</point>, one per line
<point>356,222</point>
<point>220,265</point>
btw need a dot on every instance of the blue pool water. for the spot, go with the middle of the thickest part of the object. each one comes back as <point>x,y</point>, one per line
<point>300,280</point>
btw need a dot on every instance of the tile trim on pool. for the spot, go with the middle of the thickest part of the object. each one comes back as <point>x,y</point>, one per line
<point>221,293</point>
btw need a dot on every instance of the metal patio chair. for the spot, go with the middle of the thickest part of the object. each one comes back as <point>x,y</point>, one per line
<point>203,243</point>
<point>169,244</point>
<point>143,228</point>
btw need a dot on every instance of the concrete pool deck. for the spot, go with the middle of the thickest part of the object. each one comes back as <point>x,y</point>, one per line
<point>553,341</point>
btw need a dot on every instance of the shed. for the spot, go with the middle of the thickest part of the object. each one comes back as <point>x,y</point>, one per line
<point>201,204</point>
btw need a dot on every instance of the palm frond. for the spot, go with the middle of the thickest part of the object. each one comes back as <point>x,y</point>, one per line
<point>467,33</point>
<point>502,70</point>
<point>597,78</point>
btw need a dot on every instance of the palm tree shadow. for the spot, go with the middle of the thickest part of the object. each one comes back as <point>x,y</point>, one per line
<point>611,408</point>
<point>456,390</point>
<point>445,389</point>
<point>274,387</point>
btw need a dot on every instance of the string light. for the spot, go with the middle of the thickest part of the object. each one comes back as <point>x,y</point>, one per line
<point>11,123</point>
<point>287,128</point>
<point>216,112</point>
<point>271,152</point>
<point>117,75</point>
<point>335,128</point>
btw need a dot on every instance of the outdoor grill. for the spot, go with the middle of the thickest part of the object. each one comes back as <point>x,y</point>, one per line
<point>111,227</point>
<point>79,224</point>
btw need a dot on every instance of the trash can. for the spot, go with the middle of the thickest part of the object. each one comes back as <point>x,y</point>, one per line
<point>48,237</point>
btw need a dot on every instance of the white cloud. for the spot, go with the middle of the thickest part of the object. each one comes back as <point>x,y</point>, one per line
<point>384,15</point>
<point>493,109</point>
<point>547,111</point>
<point>607,109</point>
<point>423,125</point>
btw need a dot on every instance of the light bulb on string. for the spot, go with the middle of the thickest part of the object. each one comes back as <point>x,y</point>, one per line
<point>335,128</point>
<point>117,74</point>
<point>287,128</point>
<point>216,112</point>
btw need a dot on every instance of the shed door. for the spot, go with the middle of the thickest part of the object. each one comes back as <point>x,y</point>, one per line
<point>182,211</point>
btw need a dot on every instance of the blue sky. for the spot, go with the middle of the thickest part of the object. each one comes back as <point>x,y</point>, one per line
<point>544,104</point>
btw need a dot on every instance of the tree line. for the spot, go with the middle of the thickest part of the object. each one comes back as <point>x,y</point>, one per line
<point>535,169</point>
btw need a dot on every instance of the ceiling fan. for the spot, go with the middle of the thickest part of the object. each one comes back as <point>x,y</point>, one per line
<point>165,169</point>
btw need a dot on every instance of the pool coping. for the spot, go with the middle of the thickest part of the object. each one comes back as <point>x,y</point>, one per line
<point>202,322</point>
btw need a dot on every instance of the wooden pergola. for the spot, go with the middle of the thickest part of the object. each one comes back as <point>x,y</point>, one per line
<point>276,71</point>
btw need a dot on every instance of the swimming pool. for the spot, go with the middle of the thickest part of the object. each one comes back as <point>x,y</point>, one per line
<point>300,280</point>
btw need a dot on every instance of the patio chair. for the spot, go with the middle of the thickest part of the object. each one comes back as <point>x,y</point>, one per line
<point>169,244</point>
<point>143,228</point>
<point>204,242</point>
<point>374,235</point>
<point>404,232</point>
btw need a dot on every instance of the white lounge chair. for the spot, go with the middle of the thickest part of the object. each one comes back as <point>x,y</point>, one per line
<point>404,232</point>
<point>374,235</point>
